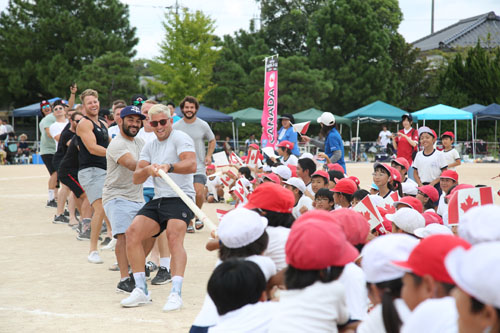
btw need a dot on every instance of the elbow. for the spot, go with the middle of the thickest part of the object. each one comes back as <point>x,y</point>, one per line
<point>192,168</point>
<point>135,179</point>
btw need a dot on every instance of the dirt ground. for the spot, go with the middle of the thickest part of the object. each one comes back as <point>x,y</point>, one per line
<point>47,285</point>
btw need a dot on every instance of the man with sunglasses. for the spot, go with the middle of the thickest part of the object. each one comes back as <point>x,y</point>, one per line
<point>199,131</point>
<point>173,152</point>
<point>48,149</point>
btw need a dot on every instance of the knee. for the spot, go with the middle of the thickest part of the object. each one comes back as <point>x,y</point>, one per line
<point>173,238</point>
<point>131,235</point>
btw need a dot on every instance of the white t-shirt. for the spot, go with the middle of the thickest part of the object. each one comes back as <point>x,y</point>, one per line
<point>292,160</point>
<point>56,129</point>
<point>249,318</point>
<point>276,246</point>
<point>374,322</point>
<point>435,315</point>
<point>429,166</point>
<point>113,131</point>
<point>147,137</point>
<point>442,206</point>
<point>3,129</point>
<point>451,156</point>
<point>304,201</point>
<point>385,137</point>
<point>353,279</point>
<point>319,307</point>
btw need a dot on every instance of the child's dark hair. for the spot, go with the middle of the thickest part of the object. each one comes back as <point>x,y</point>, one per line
<point>287,150</point>
<point>234,284</point>
<point>245,171</point>
<point>255,248</point>
<point>396,187</point>
<point>447,287</point>
<point>476,306</point>
<point>335,174</point>
<point>429,204</point>
<point>307,164</point>
<point>325,181</point>
<point>299,279</point>
<point>275,219</point>
<point>324,193</point>
<point>390,316</point>
<point>360,194</point>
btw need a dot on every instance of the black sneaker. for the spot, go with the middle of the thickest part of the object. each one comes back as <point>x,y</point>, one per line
<point>51,204</point>
<point>66,213</point>
<point>147,271</point>
<point>162,277</point>
<point>104,228</point>
<point>61,219</point>
<point>84,235</point>
<point>152,266</point>
<point>125,286</point>
<point>106,241</point>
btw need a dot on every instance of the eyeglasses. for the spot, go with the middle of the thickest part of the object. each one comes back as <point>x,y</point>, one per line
<point>155,123</point>
<point>422,194</point>
<point>58,108</point>
<point>378,174</point>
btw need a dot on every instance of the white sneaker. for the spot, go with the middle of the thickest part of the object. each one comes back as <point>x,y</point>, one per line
<point>110,246</point>
<point>94,258</point>
<point>137,297</point>
<point>174,302</point>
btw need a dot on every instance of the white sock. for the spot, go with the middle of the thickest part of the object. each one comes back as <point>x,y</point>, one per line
<point>177,284</point>
<point>165,262</point>
<point>123,279</point>
<point>51,195</point>
<point>140,281</point>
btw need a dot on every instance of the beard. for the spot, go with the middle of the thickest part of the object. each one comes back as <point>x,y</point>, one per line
<point>193,114</point>
<point>126,130</point>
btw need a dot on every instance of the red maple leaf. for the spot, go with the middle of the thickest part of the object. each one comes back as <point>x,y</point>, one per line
<point>390,209</point>
<point>468,204</point>
<point>366,215</point>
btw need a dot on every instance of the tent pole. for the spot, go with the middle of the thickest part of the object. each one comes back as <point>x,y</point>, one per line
<point>439,130</point>
<point>473,141</point>
<point>36,131</point>
<point>496,132</point>
<point>424,122</point>
<point>356,144</point>
<point>456,134</point>
<point>340,130</point>
<point>236,146</point>
<point>234,133</point>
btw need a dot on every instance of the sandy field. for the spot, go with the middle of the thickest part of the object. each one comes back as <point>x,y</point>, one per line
<point>47,285</point>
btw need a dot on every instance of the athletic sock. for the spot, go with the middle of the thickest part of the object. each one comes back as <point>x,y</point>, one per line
<point>123,279</point>
<point>165,262</point>
<point>51,195</point>
<point>140,281</point>
<point>177,284</point>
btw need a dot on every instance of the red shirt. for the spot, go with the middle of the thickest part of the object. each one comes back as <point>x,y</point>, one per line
<point>404,148</point>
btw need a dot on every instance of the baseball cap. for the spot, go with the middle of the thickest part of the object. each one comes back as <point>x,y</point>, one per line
<point>345,185</point>
<point>432,229</point>
<point>138,100</point>
<point>306,155</point>
<point>321,173</point>
<point>327,119</point>
<point>210,167</point>
<point>240,227</point>
<point>131,111</point>
<point>425,129</point>
<point>44,103</point>
<point>265,197</point>
<point>448,133</point>
<point>266,168</point>
<point>354,225</point>
<point>409,116</point>
<point>374,186</point>
<point>336,166</point>
<point>297,183</point>
<point>383,165</point>
<point>476,271</point>
<point>427,258</point>
<point>286,144</point>
<point>409,188</point>
<point>449,174</point>
<point>379,254</point>
<point>60,102</point>
<point>313,244</point>
<point>272,177</point>
<point>254,146</point>
<point>410,202</point>
<point>283,171</point>
<point>402,161</point>
<point>395,175</point>
<point>293,169</point>
<point>431,217</point>
<point>354,179</point>
<point>480,224</point>
<point>287,116</point>
<point>429,191</point>
<point>407,219</point>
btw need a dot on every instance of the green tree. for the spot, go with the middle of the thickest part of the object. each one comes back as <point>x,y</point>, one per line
<point>45,43</point>
<point>112,75</point>
<point>188,55</point>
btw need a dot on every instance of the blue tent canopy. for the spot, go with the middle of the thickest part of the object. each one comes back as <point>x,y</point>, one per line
<point>473,107</point>
<point>376,112</point>
<point>491,112</point>
<point>442,112</point>
<point>208,114</point>
<point>32,110</point>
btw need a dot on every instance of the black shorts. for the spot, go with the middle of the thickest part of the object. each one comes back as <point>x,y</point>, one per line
<point>71,181</point>
<point>164,209</point>
<point>47,160</point>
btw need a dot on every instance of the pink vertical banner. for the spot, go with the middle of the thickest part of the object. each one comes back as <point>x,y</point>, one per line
<point>269,119</point>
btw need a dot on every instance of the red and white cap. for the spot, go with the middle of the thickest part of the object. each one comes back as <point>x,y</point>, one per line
<point>321,173</point>
<point>480,224</point>
<point>240,227</point>
<point>286,144</point>
<point>272,177</point>
<point>297,183</point>
<point>407,219</point>
<point>265,197</point>
<point>432,229</point>
<point>395,175</point>
<point>354,225</point>
<point>449,174</point>
<point>211,167</point>
<point>425,129</point>
<point>402,162</point>
<point>379,254</point>
<point>448,133</point>
<point>410,202</point>
<point>354,179</point>
<point>283,171</point>
<point>383,165</point>
<point>429,191</point>
<point>345,185</point>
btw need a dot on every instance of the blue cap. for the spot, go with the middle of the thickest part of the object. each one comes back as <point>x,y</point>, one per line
<point>131,111</point>
<point>375,187</point>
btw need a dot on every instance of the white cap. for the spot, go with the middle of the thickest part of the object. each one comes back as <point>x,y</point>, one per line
<point>298,183</point>
<point>379,254</point>
<point>377,200</point>
<point>480,224</point>
<point>306,155</point>
<point>241,227</point>
<point>283,171</point>
<point>476,271</point>
<point>266,168</point>
<point>432,229</point>
<point>407,219</point>
<point>424,129</point>
<point>408,188</point>
<point>327,118</point>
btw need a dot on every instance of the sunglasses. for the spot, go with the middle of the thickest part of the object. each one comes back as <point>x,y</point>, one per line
<point>155,123</point>
<point>139,102</point>
<point>45,106</point>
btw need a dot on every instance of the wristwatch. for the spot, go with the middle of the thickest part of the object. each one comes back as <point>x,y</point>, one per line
<point>171,169</point>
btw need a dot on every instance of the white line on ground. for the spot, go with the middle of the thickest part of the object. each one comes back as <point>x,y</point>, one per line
<point>25,177</point>
<point>33,235</point>
<point>7,196</point>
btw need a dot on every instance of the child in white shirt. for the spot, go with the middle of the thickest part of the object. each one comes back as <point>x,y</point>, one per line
<point>451,155</point>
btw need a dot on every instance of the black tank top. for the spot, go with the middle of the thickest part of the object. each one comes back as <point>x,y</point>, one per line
<point>87,160</point>
<point>69,164</point>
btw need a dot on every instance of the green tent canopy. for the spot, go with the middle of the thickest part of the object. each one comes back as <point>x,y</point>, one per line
<point>378,112</point>
<point>248,115</point>
<point>313,114</point>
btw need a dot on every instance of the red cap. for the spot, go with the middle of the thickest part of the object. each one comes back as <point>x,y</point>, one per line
<point>410,202</point>
<point>383,165</point>
<point>335,166</point>
<point>321,173</point>
<point>314,244</point>
<point>403,162</point>
<point>254,146</point>
<point>449,174</point>
<point>429,191</point>
<point>450,134</point>
<point>355,226</point>
<point>427,258</point>
<point>286,144</point>
<point>293,169</point>
<point>432,217</point>
<point>458,188</point>
<point>210,167</point>
<point>272,177</point>
<point>355,179</point>
<point>44,103</point>
<point>265,195</point>
<point>345,185</point>
<point>395,175</point>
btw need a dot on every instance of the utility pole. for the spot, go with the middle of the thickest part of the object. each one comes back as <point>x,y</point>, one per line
<point>432,18</point>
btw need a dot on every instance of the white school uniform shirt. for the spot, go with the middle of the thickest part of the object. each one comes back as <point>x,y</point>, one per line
<point>354,281</point>
<point>56,129</point>
<point>276,246</point>
<point>304,201</point>
<point>429,166</point>
<point>319,307</point>
<point>435,315</point>
<point>442,206</point>
<point>451,156</point>
<point>249,318</point>
<point>292,160</point>
<point>374,322</point>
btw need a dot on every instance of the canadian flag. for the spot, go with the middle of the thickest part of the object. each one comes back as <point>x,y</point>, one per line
<point>463,200</point>
<point>389,203</point>
<point>253,157</point>
<point>368,209</point>
<point>241,191</point>
<point>226,178</point>
<point>235,160</point>
<point>301,127</point>
<point>220,213</point>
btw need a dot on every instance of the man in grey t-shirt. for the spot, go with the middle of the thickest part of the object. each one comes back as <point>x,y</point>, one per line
<point>199,131</point>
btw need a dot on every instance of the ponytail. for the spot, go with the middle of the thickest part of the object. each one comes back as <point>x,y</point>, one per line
<point>391,290</point>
